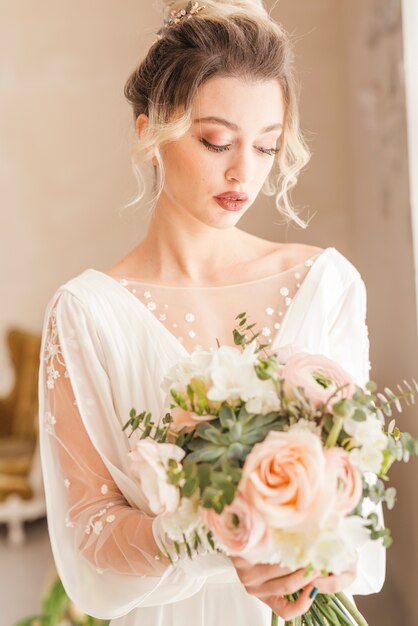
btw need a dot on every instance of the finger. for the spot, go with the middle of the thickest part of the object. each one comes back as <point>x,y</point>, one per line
<point>283,585</point>
<point>288,609</point>
<point>256,574</point>
<point>335,583</point>
<point>259,574</point>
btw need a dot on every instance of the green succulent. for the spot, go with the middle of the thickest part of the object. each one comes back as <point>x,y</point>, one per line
<point>231,437</point>
<point>215,458</point>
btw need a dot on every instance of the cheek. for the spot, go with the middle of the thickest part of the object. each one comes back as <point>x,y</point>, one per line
<point>186,163</point>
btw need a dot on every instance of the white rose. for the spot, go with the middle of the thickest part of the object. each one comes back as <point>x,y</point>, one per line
<point>367,459</point>
<point>233,375</point>
<point>366,433</point>
<point>265,398</point>
<point>291,550</point>
<point>178,377</point>
<point>336,548</point>
<point>149,463</point>
<point>372,441</point>
<point>186,519</point>
<point>307,426</point>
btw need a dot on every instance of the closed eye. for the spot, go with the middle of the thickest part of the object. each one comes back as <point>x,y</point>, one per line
<point>215,148</point>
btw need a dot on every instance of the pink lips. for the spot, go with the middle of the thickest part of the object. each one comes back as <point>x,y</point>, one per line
<point>233,195</point>
<point>232,200</point>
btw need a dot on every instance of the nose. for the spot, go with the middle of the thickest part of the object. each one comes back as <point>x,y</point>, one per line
<point>241,168</point>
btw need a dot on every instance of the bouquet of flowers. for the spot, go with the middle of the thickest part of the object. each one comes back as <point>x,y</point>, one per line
<point>273,457</point>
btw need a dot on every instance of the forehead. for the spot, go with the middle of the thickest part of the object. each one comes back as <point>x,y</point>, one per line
<point>247,104</point>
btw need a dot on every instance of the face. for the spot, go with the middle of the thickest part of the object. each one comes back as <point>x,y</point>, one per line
<point>229,149</point>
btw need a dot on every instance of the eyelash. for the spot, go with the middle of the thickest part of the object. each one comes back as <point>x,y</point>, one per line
<point>214,148</point>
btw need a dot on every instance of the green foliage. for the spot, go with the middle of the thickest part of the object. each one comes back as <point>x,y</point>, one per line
<point>57,608</point>
<point>196,393</point>
<point>298,407</point>
<point>267,368</point>
<point>378,493</point>
<point>145,423</point>
<point>231,437</point>
<point>378,532</point>
<point>401,447</point>
<point>240,334</point>
<point>55,603</point>
<point>388,397</point>
<point>179,399</point>
<point>343,407</point>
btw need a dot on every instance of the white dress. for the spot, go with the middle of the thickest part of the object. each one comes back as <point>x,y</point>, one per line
<point>107,344</point>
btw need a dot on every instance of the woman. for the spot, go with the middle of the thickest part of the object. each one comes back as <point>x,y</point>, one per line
<point>215,108</point>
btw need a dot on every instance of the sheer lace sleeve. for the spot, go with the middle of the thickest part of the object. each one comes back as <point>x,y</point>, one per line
<point>108,532</point>
<point>102,542</point>
<point>349,345</point>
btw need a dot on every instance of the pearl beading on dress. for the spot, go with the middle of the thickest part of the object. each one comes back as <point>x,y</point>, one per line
<point>190,313</point>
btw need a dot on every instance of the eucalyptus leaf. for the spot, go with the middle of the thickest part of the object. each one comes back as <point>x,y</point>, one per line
<point>343,407</point>
<point>359,415</point>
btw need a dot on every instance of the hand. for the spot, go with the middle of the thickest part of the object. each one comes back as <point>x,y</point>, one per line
<point>335,583</point>
<point>270,583</point>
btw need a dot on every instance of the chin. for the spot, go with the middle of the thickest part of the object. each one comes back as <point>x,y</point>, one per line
<point>224,222</point>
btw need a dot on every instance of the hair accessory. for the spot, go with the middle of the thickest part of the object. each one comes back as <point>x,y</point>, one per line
<point>193,8</point>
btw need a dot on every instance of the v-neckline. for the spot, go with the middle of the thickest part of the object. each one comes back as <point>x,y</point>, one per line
<point>173,338</point>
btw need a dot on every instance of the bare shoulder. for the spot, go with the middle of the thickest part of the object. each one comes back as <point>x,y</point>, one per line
<point>295,253</point>
<point>276,256</point>
<point>126,266</point>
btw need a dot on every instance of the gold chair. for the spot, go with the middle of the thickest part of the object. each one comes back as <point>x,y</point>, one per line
<point>18,437</point>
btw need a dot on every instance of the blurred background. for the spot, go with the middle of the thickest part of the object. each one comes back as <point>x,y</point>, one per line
<point>65,174</point>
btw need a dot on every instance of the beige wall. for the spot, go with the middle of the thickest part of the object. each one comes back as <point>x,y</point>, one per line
<point>381,215</point>
<point>65,132</point>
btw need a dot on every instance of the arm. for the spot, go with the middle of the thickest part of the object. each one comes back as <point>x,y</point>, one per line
<point>349,346</point>
<point>108,532</point>
<point>103,546</point>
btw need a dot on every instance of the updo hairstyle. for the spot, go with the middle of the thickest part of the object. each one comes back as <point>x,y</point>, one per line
<point>226,39</point>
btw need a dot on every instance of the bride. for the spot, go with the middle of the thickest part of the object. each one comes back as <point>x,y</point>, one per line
<point>215,110</point>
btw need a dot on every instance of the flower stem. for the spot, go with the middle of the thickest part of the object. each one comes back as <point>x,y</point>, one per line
<point>316,615</point>
<point>351,609</point>
<point>274,619</point>
<point>329,615</point>
<point>343,618</point>
<point>306,619</point>
<point>334,432</point>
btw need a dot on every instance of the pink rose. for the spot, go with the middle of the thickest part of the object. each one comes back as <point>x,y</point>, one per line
<point>347,480</point>
<point>149,463</point>
<point>284,479</point>
<point>188,419</point>
<point>239,528</point>
<point>289,350</point>
<point>318,375</point>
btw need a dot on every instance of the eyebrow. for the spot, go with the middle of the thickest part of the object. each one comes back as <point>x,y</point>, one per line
<point>219,120</point>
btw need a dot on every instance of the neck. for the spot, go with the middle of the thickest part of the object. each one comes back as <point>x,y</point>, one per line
<point>181,249</point>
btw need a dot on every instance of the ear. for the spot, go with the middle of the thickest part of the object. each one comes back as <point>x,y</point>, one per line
<point>141,124</point>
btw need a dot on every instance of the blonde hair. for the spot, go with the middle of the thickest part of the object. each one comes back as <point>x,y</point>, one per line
<point>226,39</point>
